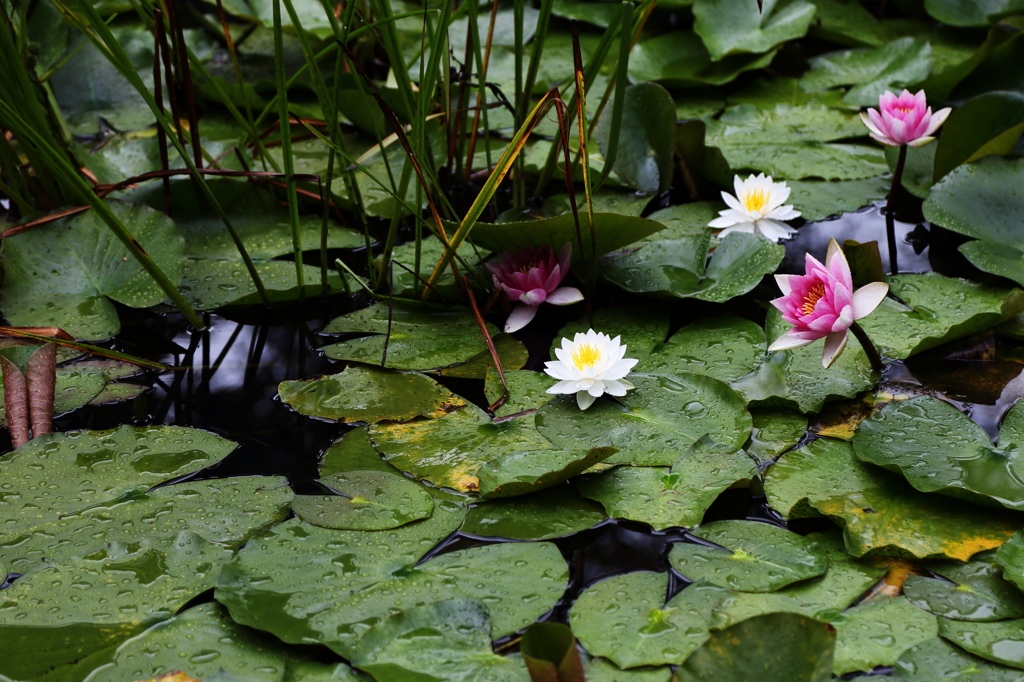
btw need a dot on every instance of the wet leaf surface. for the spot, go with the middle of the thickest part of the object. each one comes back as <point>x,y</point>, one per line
<point>611,230</point>
<point>975,591</point>
<point>544,515</point>
<point>527,471</point>
<point>727,28</point>
<point>1002,641</point>
<point>366,500</point>
<point>725,348</point>
<point>644,153</point>
<point>876,633</point>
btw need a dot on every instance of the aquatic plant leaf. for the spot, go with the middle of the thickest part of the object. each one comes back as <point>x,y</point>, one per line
<point>724,348</point>
<point>422,336</point>
<point>732,27</point>
<point>550,513</point>
<point>626,619</point>
<point>53,281</point>
<point>940,449</point>
<point>936,659</point>
<point>680,59</point>
<point>881,512</point>
<point>366,500</point>
<point>451,639</point>
<point>649,425</point>
<point>449,451</point>
<point>603,670</point>
<point>871,71</point>
<point>550,653</point>
<point>878,631</point>
<point>527,471</point>
<point>369,394</point>
<point>204,641</point>
<point>752,557</point>
<point>977,14</point>
<point>819,199</point>
<point>995,258</point>
<point>779,647</point>
<point>794,378</point>
<point>611,231</point>
<point>663,497</point>
<point>527,390</point>
<point>774,432</point>
<point>685,220</point>
<point>988,124</point>
<point>1011,558</point>
<point>352,452</point>
<point>511,352</point>
<point>404,281</point>
<point>100,600</point>
<point>209,283</point>
<point>975,591</point>
<point>936,310</point>
<point>681,267</point>
<point>337,584</point>
<point>846,22</point>
<point>1001,641</point>
<point>645,147</point>
<point>982,200</point>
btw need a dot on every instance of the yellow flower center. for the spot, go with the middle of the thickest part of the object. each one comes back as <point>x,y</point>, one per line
<point>585,355</point>
<point>904,110</point>
<point>755,201</point>
<point>529,266</point>
<point>816,292</point>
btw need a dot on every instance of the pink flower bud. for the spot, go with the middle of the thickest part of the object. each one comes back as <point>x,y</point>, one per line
<point>530,277</point>
<point>906,119</point>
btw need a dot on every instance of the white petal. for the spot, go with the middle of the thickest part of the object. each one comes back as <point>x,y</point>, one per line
<point>787,342</point>
<point>729,217</point>
<point>833,251</point>
<point>584,400</point>
<point>871,126</point>
<point>774,231</point>
<point>834,345</point>
<point>563,387</point>
<point>783,282</point>
<point>617,388</point>
<point>597,389</point>
<point>867,298</point>
<point>565,296</point>
<point>744,227</point>
<point>732,202</point>
<point>921,141</point>
<point>556,370</point>
<point>585,384</point>
<point>520,317</point>
<point>783,213</point>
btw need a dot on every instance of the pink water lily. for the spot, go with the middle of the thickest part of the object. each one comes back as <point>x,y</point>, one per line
<point>904,119</point>
<point>822,304</point>
<point>530,277</point>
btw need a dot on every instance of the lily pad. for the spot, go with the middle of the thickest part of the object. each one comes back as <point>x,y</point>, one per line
<point>664,498</point>
<point>940,449</point>
<point>644,153</point>
<point>982,200</point>
<point>547,514</point>
<point>352,452</point>
<point>1011,557</point>
<point>876,633</point>
<point>626,619</point>
<point>774,432</point>
<point>872,71</point>
<point>366,500</point>
<point>603,670</point>
<point>979,14</point>
<point>51,281</point>
<point>209,283</point>
<point>819,199</point>
<point>880,511</point>
<point>451,639</point>
<point>779,647</point>
<point>681,267</point>
<point>651,423</point>
<point>527,390</point>
<point>527,471</point>
<point>679,58</point>
<point>975,591</point>
<point>725,348</point>
<point>751,557</point>
<point>369,394</point>
<point>511,352</point>
<point>1002,641</point>
<point>936,659</point>
<point>205,641</point>
<point>729,27</point>
<point>307,584</point>
<point>421,336</point>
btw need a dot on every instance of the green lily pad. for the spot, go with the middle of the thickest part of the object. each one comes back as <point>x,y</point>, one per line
<point>779,647</point>
<point>979,14</point>
<point>1003,260</point>
<point>366,500</point>
<point>527,471</point>
<point>451,639</point>
<point>753,556</point>
<point>527,390</point>
<point>404,280</point>
<point>649,425</point>
<point>774,432</point>
<point>51,281</point>
<point>547,514</point>
<point>975,591</point>
<point>795,377</point>
<point>981,200</point>
<point>603,670</point>
<point>450,450</point>
<point>422,336</point>
<point>878,631</point>
<point>725,348</point>
<point>880,511</point>
<point>626,619</point>
<point>685,220</point>
<point>729,27</point>
<point>307,584</point>
<point>662,497</point>
<point>988,124</point>
<point>611,231</point>
<point>939,449</point>
<point>645,146</point>
<point>846,22</point>
<point>512,354</point>
<point>679,58</point>
<point>681,268</point>
<point>369,394</point>
<point>209,283</point>
<point>1011,557</point>
<point>819,199</point>
<point>352,452</point>
<point>936,659</point>
<point>204,641</point>
<point>871,71</point>
<point>1002,641</point>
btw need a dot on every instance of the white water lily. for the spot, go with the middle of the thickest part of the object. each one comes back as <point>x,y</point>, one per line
<point>757,208</point>
<point>590,365</point>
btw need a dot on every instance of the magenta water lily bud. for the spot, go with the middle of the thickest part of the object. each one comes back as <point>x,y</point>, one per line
<point>757,208</point>
<point>530,277</point>
<point>590,365</point>
<point>904,119</point>
<point>822,304</point>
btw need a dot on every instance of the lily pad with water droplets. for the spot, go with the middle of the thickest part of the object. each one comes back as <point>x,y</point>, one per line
<point>369,394</point>
<point>651,423</point>
<point>1011,558</point>
<point>940,449</point>
<point>626,619</point>
<point>876,633</point>
<point>871,71</point>
<point>663,497</point>
<point>728,27</point>
<point>353,451</point>
<point>1001,641</point>
<point>603,670</point>
<point>527,471</point>
<point>774,432</point>
<point>974,591</point>
<point>935,660</point>
<point>819,199</point>
<point>679,58</point>
<point>551,513</point>
<point>451,639</point>
<point>726,348</point>
<point>209,283</point>
<point>751,557</point>
<point>365,500</point>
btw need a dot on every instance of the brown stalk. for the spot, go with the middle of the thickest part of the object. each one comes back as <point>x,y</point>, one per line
<point>490,347</point>
<point>164,55</point>
<point>42,379</point>
<point>480,95</point>
<point>15,402</point>
<point>185,70</point>
<point>581,119</point>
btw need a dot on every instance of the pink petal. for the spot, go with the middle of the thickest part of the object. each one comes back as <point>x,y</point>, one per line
<point>834,345</point>
<point>521,316</point>
<point>867,298</point>
<point>565,296</point>
<point>534,297</point>
<point>787,342</point>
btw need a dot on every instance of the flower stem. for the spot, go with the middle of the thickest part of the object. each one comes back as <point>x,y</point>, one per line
<point>890,210</point>
<point>869,348</point>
